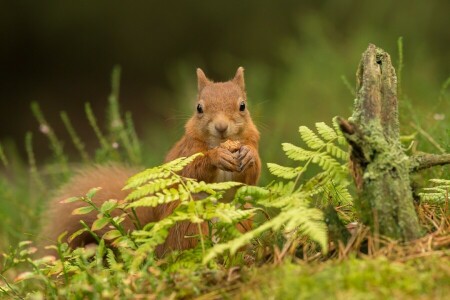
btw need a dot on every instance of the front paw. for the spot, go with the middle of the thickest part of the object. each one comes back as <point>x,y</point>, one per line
<point>247,157</point>
<point>225,160</point>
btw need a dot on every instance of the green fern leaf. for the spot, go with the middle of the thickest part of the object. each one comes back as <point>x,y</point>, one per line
<point>284,172</point>
<point>310,138</point>
<point>445,182</point>
<point>82,210</point>
<point>341,139</point>
<point>180,163</point>
<point>280,188</point>
<point>251,193</point>
<point>100,223</point>
<point>326,132</point>
<point>337,152</point>
<point>112,234</point>
<point>437,194</point>
<point>145,176</point>
<point>222,186</point>
<point>297,153</point>
<point>152,187</point>
<point>310,222</point>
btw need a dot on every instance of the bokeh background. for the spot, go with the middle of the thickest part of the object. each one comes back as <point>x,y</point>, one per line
<point>297,56</point>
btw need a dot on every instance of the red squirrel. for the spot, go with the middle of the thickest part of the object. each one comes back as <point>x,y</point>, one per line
<point>221,128</point>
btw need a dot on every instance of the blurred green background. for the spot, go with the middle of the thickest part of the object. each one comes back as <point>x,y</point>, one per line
<point>295,53</point>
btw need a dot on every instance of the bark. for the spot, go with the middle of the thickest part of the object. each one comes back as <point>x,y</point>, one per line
<point>379,165</point>
<point>425,160</point>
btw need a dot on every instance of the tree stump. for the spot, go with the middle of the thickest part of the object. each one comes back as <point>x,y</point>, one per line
<point>380,167</point>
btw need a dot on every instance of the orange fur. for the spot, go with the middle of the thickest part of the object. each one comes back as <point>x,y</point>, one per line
<point>221,103</point>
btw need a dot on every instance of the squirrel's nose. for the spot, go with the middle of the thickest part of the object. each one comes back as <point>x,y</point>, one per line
<point>221,127</point>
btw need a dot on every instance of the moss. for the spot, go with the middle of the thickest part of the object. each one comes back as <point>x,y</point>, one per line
<point>377,278</point>
<point>385,200</point>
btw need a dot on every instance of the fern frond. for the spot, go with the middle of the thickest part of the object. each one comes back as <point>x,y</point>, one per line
<point>180,163</point>
<point>438,194</point>
<point>308,221</point>
<point>226,212</point>
<point>297,153</point>
<point>326,132</point>
<point>310,138</point>
<point>152,187</point>
<point>280,188</point>
<point>251,193</point>
<point>337,152</point>
<point>338,193</point>
<point>327,163</point>
<point>445,182</point>
<point>284,172</point>
<point>163,197</point>
<point>282,202</point>
<point>222,186</point>
<point>340,139</point>
<point>164,171</point>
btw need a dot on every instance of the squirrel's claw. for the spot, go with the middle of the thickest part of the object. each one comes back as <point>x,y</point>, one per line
<point>246,157</point>
<point>226,160</point>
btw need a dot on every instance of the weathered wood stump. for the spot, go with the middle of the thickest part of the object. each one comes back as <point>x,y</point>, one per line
<point>380,167</point>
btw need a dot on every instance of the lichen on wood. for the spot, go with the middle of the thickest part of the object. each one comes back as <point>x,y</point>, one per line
<point>379,165</point>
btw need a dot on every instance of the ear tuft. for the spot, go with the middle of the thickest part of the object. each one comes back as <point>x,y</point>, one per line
<point>202,81</point>
<point>239,78</point>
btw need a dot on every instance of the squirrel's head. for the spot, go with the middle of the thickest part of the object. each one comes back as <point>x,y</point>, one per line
<point>221,111</point>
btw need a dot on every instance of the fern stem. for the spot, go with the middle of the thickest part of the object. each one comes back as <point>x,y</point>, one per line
<point>299,175</point>
<point>79,145</point>
<point>88,229</point>
<point>138,222</point>
<point>32,161</point>
<point>3,156</point>
<point>199,227</point>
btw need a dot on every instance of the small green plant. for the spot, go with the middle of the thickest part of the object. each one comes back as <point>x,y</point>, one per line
<point>438,194</point>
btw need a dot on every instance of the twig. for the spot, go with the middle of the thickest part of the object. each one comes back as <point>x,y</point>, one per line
<point>425,160</point>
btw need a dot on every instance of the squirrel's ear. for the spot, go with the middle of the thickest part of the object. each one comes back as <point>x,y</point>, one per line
<point>239,78</point>
<point>202,81</point>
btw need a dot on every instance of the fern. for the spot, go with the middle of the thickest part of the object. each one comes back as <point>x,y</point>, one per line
<point>197,203</point>
<point>294,202</point>
<point>284,172</point>
<point>438,194</point>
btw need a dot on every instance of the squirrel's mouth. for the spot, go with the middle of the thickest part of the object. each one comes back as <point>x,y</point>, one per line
<point>222,136</point>
<point>216,139</point>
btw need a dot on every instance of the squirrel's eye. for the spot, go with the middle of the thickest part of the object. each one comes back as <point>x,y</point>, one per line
<point>199,108</point>
<point>242,106</point>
